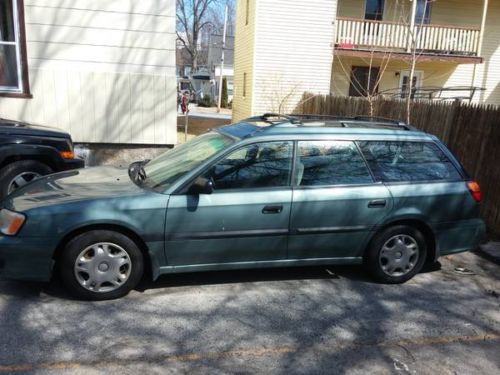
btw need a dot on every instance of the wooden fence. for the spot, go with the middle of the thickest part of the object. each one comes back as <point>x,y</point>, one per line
<point>471,131</point>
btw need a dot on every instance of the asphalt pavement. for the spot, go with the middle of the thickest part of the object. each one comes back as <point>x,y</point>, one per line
<point>316,320</point>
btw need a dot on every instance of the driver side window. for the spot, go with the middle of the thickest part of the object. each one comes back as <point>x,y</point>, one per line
<point>259,165</point>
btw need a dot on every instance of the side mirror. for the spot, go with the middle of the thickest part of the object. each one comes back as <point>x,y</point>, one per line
<point>201,185</point>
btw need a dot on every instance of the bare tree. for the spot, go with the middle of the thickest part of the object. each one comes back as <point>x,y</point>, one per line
<point>192,19</point>
<point>414,32</point>
<point>279,94</point>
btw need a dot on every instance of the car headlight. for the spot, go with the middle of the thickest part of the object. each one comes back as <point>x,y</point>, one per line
<point>10,222</point>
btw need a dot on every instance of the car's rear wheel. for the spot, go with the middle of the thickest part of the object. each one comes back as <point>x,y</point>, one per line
<point>19,173</point>
<point>101,265</point>
<point>396,254</point>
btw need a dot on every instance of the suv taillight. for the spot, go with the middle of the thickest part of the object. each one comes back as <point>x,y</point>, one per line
<point>474,190</point>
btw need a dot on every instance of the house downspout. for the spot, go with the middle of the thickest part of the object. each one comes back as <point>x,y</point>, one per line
<point>479,44</point>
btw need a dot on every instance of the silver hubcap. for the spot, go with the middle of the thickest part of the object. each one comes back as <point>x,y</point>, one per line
<point>399,255</point>
<point>22,179</point>
<point>103,267</point>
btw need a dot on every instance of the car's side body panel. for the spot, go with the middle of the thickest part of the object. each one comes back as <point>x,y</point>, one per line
<point>260,264</point>
<point>446,207</point>
<point>336,222</point>
<point>24,258</point>
<point>227,226</point>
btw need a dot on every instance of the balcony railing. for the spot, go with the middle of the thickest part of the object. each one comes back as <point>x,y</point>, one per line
<point>388,36</point>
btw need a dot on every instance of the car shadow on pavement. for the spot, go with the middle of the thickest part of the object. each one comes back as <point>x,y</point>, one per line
<point>350,272</point>
<point>21,289</point>
<point>242,276</point>
<point>54,288</point>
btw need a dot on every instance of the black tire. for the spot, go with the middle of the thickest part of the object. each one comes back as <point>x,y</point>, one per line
<point>74,248</point>
<point>12,170</point>
<point>374,259</point>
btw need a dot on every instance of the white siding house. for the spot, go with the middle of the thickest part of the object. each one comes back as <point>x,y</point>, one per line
<point>282,49</point>
<point>102,70</point>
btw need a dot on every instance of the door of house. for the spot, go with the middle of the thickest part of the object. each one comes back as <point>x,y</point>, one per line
<point>404,82</point>
<point>423,13</point>
<point>374,10</point>
<point>364,81</point>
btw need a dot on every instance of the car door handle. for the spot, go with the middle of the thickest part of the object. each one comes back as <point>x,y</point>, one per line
<point>272,209</point>
<point>377,203</point>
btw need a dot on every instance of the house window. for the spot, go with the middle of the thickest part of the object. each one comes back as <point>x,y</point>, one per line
<point>244,85</point>
<point>374,10</point>
<point>423,12</point>
<point>13,68</point>
<point>364,81</point>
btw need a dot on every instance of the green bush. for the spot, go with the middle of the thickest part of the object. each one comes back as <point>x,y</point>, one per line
<point>224,93</point>
<point>207,101</point>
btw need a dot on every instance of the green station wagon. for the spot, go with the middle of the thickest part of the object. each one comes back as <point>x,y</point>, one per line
<point>269,191</point>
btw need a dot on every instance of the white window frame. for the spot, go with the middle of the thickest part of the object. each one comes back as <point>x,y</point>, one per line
<point>17,44</point>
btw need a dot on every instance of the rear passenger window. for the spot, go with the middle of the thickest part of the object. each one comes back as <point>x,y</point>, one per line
<point>408,161</point>
<point>330,163</point>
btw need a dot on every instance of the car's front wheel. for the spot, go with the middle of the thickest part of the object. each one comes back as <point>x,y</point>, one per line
<point>396,254</point>
<point>19,173</point>
<point>101,265</point>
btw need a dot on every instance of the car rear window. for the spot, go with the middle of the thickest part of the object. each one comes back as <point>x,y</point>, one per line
<point>397,161</point>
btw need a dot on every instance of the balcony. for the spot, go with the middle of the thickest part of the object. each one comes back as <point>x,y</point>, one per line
<point>382,37</point>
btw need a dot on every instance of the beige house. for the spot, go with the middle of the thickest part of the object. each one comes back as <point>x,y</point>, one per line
<point>102,70</point>
<point>362,47</point>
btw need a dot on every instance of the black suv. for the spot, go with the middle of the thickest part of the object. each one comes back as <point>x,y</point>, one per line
<point>29,151</point>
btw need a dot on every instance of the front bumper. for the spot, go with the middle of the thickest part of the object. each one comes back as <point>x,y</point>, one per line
<point>26,258</point>
<point>73,164</point>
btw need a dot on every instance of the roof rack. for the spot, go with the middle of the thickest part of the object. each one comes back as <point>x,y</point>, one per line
<point>380,120</point>
<point>275,119</point>
<point>266,117</point>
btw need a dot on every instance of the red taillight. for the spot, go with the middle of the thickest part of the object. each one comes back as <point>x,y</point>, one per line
<point>475,190</point>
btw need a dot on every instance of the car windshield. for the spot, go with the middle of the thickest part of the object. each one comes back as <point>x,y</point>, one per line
<point>167,168</point>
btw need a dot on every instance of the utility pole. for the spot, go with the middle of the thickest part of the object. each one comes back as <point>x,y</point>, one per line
<point>222,60</point>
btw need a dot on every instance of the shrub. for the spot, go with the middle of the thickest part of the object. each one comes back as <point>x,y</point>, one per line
<point>224,93</point>
<point>207,101</point>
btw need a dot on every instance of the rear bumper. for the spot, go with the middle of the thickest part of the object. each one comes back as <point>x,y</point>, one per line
<point>456,237</point>
<point>26,258</point>
<point>69,164</point>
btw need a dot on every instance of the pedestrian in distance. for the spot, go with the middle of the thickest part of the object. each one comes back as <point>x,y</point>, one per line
<point>185,102</point>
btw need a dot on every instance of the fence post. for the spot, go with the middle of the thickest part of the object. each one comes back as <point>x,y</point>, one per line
<point>450,119</point>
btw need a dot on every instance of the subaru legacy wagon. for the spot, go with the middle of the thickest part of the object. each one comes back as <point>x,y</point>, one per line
<point>269,191</point>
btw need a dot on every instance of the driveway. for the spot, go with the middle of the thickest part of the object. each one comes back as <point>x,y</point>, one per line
<point>304,320</point>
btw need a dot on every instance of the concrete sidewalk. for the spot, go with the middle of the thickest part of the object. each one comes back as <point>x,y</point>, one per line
<point>208,112</point>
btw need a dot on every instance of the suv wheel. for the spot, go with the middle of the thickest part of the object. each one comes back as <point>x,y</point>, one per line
<point>19,173</point>
<point>101,265</point>
<point>396,254</point>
